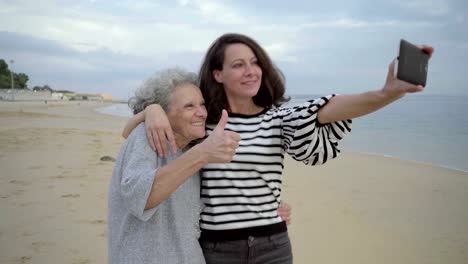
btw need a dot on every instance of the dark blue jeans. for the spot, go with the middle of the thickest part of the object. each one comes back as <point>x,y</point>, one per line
<point>274,249</point>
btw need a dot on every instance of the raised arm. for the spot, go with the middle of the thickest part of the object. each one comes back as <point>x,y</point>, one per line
<point>158,129</point>
<point>132,123</point>
<point>342,107</point>
<point>174,174</point>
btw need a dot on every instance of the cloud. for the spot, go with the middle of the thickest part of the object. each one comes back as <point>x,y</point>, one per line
<point>347,23</point>
<point>85,29</point>
<point>427,7</point>
<point>217,12</point>
<point>138,6</point>
<point>51,62</point>
<point>119,43</point>
<point>280,51</point>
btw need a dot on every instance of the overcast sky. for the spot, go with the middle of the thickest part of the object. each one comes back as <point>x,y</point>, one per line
<point>321,46</point>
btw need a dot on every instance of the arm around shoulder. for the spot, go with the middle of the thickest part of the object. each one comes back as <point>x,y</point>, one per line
<point>133,123</point>
<point>158,129</point>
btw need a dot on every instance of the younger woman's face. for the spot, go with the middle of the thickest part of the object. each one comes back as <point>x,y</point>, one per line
<point>241,75</point>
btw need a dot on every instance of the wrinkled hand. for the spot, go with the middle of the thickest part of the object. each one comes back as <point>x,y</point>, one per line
<point>159,130</point>
<point>284,211</point>
<point>221,145</point>
<point>395,88</point>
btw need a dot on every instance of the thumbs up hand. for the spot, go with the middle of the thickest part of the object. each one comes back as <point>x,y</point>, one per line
<point>222,123</point>
<point>221,145</point>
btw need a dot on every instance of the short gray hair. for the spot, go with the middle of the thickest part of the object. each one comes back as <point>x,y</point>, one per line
<point>158,89</point>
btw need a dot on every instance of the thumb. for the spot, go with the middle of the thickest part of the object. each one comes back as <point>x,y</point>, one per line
<point>391,70</point>
<point>222,121</point>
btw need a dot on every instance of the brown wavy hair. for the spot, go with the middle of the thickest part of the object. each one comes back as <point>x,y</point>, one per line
<point>272,86</point>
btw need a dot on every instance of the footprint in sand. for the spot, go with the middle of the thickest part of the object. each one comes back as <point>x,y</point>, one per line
<point>39,246</point>
<point>71,195</point>
<point>25,259</point>
<point>94,222</point>
<point>82,261</point>
<point>27,204</point>
<point>98,222</point>
<point>18,192</point>
<point>46,217</point>
<point>20,182</point>
<point>57,177</point>
<point>27,234</point>
<point>73,251</point>
<point>82,175</point>
<point>35,167</point>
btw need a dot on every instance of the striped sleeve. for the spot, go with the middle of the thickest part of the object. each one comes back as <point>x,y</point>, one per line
<point>305,139</point>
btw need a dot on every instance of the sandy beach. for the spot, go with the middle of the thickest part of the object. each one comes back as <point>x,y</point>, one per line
<point>356,209</point>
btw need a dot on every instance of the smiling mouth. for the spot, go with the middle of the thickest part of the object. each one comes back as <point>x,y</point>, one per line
<point>250,82</point>
<point>198,124</point>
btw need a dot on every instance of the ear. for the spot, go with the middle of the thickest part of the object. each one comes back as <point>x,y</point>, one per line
<point>218,76</point>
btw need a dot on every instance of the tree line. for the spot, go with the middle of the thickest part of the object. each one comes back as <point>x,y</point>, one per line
<point>20,80</point>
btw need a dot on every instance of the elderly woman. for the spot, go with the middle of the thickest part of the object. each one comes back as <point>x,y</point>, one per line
<point>154,202</point>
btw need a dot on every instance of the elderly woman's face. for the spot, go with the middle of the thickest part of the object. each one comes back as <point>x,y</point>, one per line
<point>187,113</point>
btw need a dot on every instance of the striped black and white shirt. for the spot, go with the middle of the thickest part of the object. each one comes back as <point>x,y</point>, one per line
<point>246,192</point>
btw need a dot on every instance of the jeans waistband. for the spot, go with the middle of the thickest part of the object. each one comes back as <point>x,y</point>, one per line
<point>243,233</point>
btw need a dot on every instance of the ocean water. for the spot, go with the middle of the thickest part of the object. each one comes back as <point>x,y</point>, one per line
<point>116,110</point>
<point>420,127</point>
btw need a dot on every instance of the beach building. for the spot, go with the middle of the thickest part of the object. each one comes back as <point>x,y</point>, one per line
<point>24,95</point>
<point>47,95</point>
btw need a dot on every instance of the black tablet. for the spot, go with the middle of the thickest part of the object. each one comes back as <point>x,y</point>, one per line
<point>412,64</point>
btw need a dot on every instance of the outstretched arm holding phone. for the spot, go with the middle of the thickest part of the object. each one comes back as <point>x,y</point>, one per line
<point>340,107</point>
<point>343,107</point>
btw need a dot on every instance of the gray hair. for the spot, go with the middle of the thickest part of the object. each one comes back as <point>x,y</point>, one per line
<point>159,88</point>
